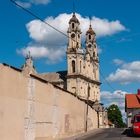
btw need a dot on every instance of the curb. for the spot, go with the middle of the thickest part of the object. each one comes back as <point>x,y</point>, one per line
<point>84,135</point>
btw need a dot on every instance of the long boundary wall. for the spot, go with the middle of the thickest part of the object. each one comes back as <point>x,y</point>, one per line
<point>33,109</point>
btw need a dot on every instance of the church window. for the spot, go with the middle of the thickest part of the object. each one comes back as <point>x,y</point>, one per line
<point>73,35</point>
<point>89,37</point>
<point>74,89</point>
<point>80,66</point>
<point>73,66</point>
<point>88,91</point>
<point>89,45</point>
<point>93,54</point>
<point>72,25</point>
<point>78,36</point>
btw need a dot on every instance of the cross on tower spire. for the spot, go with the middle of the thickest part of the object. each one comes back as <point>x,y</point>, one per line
<point>90,20</point>
<point>28,56</point>
<point>73,7</point>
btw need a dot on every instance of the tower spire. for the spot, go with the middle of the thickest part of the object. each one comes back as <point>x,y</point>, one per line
<point>90,21</point>
<point>73,7</point>
<point>28,55</point>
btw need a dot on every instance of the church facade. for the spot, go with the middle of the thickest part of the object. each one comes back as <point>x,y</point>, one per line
<point>83,64</point>
<point>82,75</point>
<point>49,106</point>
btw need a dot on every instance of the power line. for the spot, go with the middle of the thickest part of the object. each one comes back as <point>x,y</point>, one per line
<point>103,76</point>
<point>107,81</point>
<point>73,6</point>
<point>36,16</point>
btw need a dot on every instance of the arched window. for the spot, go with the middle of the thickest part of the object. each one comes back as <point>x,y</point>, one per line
<point>72,25</point>
<point>93,54</point>
<point>80,66</point>
<point>88,92</point>
<point>89,37</point>
<point>73,66</point>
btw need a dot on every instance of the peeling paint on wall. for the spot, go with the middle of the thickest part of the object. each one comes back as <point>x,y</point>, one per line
<point>55,114</point>
<point>67,122</point>
<point>30,116</point>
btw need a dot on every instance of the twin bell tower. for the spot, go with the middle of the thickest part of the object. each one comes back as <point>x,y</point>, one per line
<point>82,63</point>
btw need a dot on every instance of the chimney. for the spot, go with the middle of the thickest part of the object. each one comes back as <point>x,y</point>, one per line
<point>138,92</point>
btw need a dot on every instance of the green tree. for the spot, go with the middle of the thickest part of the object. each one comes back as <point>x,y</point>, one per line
<point>115,116</point>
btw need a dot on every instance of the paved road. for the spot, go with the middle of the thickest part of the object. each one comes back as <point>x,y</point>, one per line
<point>109,134</point>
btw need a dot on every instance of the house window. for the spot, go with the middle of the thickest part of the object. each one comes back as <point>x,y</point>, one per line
<point>73,66</point>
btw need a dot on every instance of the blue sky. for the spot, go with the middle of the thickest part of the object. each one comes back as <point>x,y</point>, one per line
<point>117,24</point>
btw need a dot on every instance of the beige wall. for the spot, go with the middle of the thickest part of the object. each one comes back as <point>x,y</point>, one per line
<point>31,109</point>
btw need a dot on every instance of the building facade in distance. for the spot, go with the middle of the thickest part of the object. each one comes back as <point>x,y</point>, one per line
<point>132,106</point>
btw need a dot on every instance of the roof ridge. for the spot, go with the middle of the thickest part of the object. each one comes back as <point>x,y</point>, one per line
<point>138,97</point>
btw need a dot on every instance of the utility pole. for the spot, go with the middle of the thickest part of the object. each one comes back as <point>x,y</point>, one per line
<point>88,94</point>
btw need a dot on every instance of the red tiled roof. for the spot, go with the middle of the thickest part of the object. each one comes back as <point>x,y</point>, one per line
<point>132,100</point>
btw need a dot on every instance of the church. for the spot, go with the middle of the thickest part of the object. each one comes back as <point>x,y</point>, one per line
<point>45,106</point>
<point>82,75</point>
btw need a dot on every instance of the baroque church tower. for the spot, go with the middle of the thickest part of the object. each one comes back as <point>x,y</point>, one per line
<point>83,66</point>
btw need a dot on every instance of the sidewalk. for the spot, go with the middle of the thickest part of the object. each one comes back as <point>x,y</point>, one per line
<point>84,135</point>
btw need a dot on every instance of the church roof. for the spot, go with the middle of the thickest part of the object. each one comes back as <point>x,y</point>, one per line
<point>74,19</point>
<point>90,31</point>
<point>54,76</point>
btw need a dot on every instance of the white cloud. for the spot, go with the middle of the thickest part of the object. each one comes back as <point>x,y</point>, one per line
<point>24,4</point>
<point>118,61</point>
<point>117,98</point>
<point>127,73</point>
<point>99,50</point>
<point>43,52</point>
<point>134,66</point>
<point>40,1</point>
<point>28,4</point>
<point>55,43</point>
<point>35,51</point>
<point>104,27</point>
<point>41,32</point>
<point>116,95</point>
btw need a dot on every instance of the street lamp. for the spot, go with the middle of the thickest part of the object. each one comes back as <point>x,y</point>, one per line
<point>114,109</point>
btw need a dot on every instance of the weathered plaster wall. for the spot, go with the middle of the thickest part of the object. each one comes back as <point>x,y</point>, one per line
<point>32,109</point>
